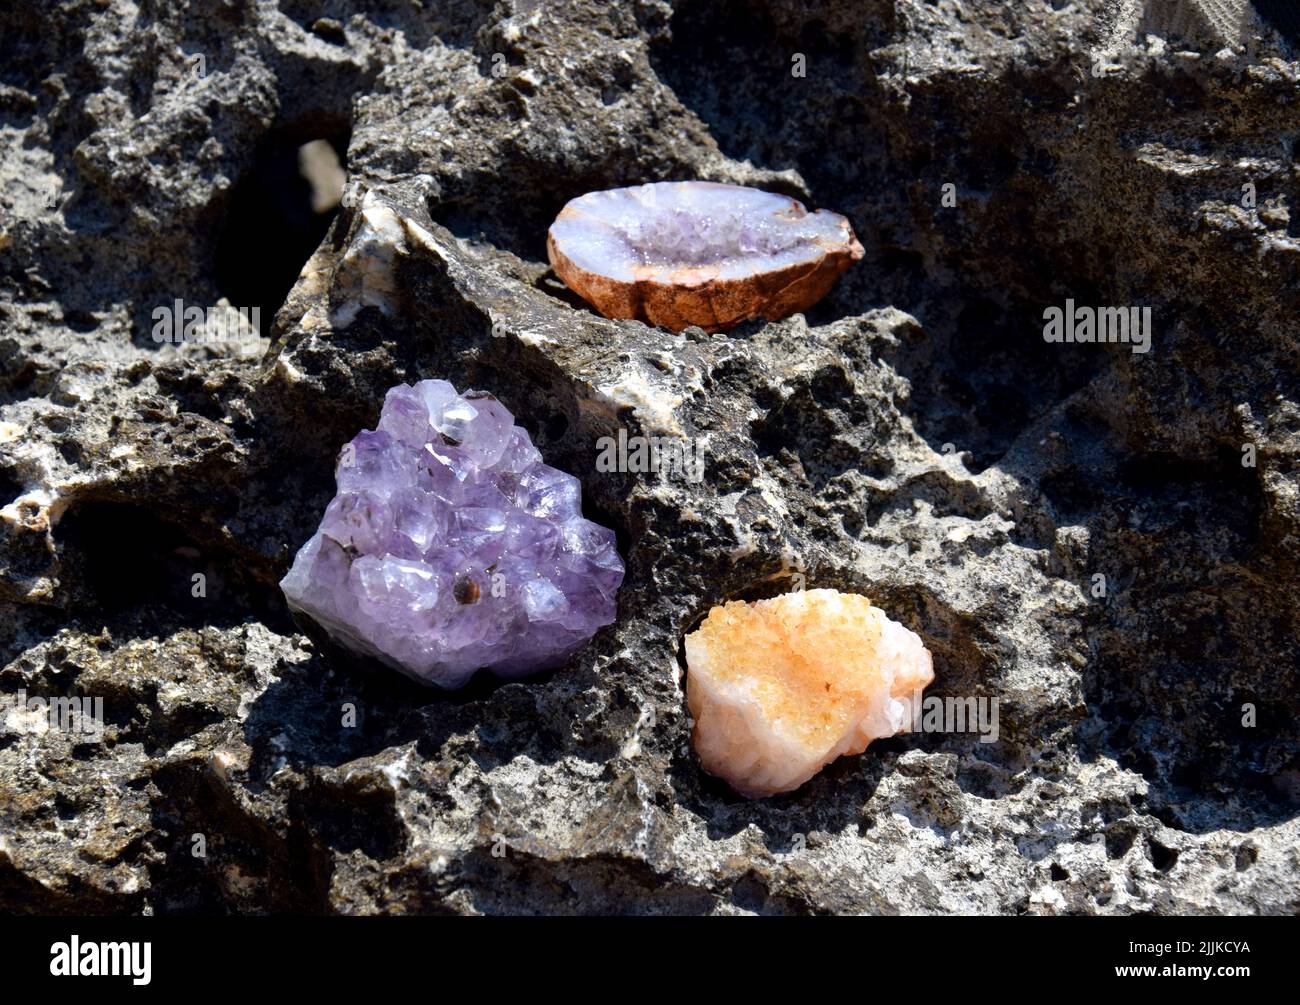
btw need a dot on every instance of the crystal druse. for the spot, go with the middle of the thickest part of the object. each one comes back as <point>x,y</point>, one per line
<point>451,547</point>
<point>780,688</point>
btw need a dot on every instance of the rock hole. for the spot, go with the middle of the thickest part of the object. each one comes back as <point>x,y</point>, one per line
<point>11,487</point>
<point>1119,839</point>
<point>279,213</point>
<point>123,559</point>
<point>1162,858</point>
<point>80,321</point>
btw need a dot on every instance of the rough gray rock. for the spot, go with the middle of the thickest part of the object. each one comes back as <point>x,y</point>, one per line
<point>913,437</point>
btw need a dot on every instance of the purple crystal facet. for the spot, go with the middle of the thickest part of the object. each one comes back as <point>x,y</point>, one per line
<point>451,547</point>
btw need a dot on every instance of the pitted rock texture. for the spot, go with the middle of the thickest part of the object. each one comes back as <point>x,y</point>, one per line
<point>1078,531</point>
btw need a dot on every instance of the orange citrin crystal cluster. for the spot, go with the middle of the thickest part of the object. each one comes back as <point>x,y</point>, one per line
<point>780,688</point>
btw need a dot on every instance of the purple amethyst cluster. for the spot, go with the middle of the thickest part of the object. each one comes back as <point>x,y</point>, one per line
<point>451,547</point>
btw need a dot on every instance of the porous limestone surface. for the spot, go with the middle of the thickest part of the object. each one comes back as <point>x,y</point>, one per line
<point>1104,542</point>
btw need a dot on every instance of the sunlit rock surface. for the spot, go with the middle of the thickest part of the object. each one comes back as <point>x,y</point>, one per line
<point>927,442</point>
<point>451,547</point>
<point>780,688</point>
<point>698,253</point>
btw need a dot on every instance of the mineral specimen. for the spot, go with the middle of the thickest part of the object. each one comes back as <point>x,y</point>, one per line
<point>451,547</point>
<point>686,253</point>
<point>780,688</point>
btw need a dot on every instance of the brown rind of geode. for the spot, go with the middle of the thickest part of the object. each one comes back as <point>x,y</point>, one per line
<point>694,296</point>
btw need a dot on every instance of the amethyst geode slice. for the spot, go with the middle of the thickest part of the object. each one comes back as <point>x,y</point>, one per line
<point>451,547</point>
<point>681,253</point>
